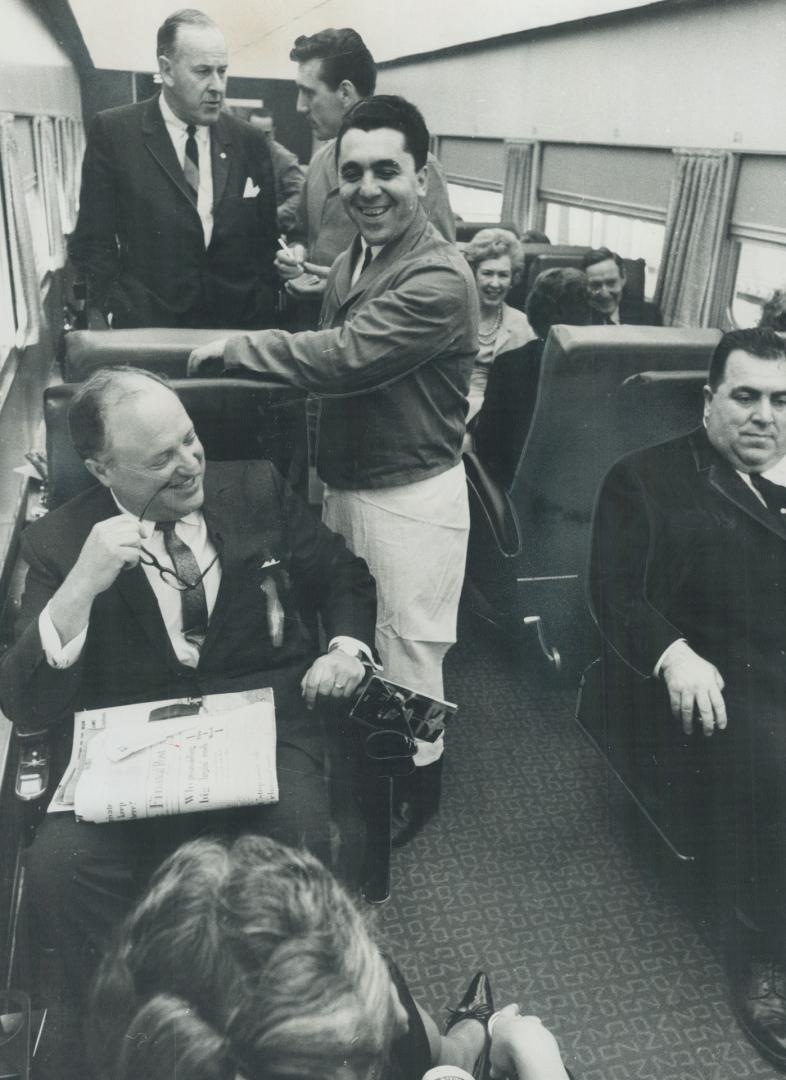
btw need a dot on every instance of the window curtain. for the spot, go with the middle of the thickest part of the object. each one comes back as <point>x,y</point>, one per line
<point>27,302</point>
<point>696,222</point>
<point>51,188</point>
<point>69,150</point>
<point>517,184</point>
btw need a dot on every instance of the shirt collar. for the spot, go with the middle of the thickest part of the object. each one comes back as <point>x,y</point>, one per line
<point>194,519</point>
<point>174,121</point>
<point>375,249</point>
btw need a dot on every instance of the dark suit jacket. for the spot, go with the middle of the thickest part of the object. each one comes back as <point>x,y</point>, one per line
<point>139,239</point>
<point>252,518</point>
<point>683,548</point>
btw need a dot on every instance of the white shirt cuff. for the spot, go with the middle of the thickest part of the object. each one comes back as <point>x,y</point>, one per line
<point>58,655</point>
<point>665,653</point>
<point>352,646</point>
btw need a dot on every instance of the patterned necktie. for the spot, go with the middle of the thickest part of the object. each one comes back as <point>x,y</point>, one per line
<point>191,161</point>
<point>774,495</point>
<point>193,602</point>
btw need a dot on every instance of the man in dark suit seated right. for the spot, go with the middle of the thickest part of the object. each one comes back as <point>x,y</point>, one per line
<point>688,584</point>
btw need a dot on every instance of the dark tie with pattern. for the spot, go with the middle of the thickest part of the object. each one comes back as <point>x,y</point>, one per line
<point>191,161</point>
<point>193,602</point>
<point>773,494</point>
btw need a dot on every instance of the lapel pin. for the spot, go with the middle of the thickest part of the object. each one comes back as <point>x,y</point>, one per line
<point>222,154</point>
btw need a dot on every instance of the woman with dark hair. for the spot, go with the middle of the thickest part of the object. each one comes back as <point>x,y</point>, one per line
<point>496,258</point>
<point>249,962</point>
<point>500,431</point>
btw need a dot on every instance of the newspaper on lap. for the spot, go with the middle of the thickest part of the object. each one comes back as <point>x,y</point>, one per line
<point>208,753</point>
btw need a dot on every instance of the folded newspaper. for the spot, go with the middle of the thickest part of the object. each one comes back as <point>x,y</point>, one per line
<point>212,753</point>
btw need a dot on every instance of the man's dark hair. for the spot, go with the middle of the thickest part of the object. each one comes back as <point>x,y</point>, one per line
<point>389,111</point>
<point>87,413</point>
<point>764,344</point>
<point>344,56</point>
<point>559,295</point>
<point>773,311</point>
<point>601,254</point>
<point>167,31</point>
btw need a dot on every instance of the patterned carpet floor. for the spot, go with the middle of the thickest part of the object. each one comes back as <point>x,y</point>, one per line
<point>530,872</point>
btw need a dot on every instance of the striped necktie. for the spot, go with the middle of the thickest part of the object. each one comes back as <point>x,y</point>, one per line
<point>191,161</point>
<point>193,601</point>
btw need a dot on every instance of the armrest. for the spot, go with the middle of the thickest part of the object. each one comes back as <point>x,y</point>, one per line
<point>495,504</point>
<point>32,767</point>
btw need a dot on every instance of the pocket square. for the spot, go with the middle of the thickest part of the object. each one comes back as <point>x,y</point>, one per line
<point>251,190</point>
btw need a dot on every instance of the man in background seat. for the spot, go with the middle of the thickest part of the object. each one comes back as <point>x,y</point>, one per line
<point>605,272</point>
<point>177,217</point>
<point>688,585</point>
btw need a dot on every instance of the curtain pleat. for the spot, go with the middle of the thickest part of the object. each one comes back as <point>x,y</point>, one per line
<point>517,184</point>
<point>27,297</point>
<point>696,222</point>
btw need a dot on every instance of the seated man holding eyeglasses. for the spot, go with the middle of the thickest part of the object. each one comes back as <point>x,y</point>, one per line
<point>172,579</point>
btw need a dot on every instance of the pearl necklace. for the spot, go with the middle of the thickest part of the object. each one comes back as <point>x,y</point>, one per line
<point>489,336</point>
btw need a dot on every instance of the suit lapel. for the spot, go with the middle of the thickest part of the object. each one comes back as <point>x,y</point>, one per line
<point>725,480</point>
<point>159,145</point>
<point>218,518</point>
<point>141,601</point>
<point>221,158</point>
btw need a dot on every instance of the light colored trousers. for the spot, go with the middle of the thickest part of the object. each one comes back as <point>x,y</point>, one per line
<point>414,539</point>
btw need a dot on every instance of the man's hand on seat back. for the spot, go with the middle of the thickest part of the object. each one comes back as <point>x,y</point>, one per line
<point>335,675</point>
<point>207,360</point>
<point>694,684</point>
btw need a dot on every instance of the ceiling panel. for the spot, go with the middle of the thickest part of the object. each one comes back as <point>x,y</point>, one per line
<point>260,33</point>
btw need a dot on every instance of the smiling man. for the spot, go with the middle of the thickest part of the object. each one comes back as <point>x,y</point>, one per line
<point>177,219</point>
<point>391,365</point>
<point>689,586</point>
<point>173,578</point>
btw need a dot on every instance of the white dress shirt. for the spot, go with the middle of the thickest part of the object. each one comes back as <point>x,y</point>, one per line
<point>192,530</point>
<point>375,250</point>
<point>178,133</point>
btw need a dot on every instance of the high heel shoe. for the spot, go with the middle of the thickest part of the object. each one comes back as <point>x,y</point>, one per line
<point>476,1004</point>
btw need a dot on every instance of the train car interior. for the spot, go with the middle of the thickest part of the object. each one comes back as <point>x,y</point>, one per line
<point>589,848</point>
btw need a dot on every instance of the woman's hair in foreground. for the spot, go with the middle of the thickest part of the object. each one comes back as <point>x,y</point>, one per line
<point>241,960</point>
<point>560,295</point>
<point>493,244</point>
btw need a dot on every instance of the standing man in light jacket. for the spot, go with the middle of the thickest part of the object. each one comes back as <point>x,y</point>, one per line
<point>391,363</point>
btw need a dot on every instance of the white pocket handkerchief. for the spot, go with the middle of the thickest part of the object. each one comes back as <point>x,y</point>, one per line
<point>251,190</point>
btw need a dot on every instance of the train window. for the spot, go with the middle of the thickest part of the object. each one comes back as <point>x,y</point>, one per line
<point>761,268</point>
<point>475,204</point>
<point>631,237</point>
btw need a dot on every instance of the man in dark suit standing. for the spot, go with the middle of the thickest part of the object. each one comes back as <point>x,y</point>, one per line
<point>177,218</point>
<point>173,580</point>
<point>688,581</point>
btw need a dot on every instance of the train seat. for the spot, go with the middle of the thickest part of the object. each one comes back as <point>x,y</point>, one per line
<point>603,392</point>
<point>162,350</point>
